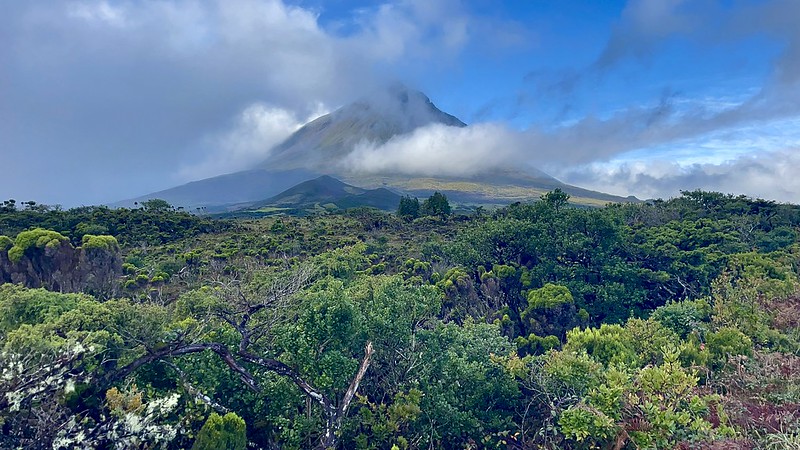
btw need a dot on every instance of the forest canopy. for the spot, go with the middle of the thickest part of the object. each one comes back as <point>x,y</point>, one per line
<point>663,324</point>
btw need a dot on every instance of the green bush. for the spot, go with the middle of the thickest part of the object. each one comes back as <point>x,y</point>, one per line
<point>684,317</point>
<point>609,344</point>
<point>728,342</point>
<point>584,423</point>
<point>222,432</point>
<point>38,238</point>
<point>549,296</point>
<point>104,242</point>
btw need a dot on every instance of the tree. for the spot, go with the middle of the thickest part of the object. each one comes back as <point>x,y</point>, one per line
<point>254,307</point>
<point>8,206</point>
<point>436,205</point>
<point>409,207</point>
<point>556,198</point>
<point>156,205</point>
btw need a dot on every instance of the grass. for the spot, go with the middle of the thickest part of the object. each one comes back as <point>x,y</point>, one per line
<point>484,193</point>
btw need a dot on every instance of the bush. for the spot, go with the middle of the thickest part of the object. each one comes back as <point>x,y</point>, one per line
<point>683,317</point>
<point>228,432</point>
<point>728,342</point>
<point>104,242</point>
<point>609,344</point>
<point>549,296</point>
<point>34,239</point>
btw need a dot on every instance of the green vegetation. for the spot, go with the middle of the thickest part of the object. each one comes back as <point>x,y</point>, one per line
<point>408,207</point>
<point>108,243</point>
<point>228,432</point>
<point>670,324</point>
<point>34,240</point>
<point>6,243</point>
<point>436,205</point>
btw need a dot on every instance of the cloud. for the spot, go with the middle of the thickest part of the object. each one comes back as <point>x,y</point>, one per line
<point>98,12</point>
<point>118,98</point>
<point>771,175</point>
<point>257,129</point>
<point>454,151</point>
<point>439,150</point>
<point>646,25</point>
<point>647,151</point>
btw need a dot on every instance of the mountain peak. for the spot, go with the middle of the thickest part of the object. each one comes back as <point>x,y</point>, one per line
<point>324,142</point>
<point>400,104</point>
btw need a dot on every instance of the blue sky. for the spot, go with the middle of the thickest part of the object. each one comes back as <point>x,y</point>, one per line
<point>108,99</point>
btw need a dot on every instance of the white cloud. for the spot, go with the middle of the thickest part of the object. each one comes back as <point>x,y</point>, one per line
<point>147,85</point>
<point>654,151</point>
<point>257,129</point>
<point>770,175</point>
<point>440,150</point>
<point>99,11</point>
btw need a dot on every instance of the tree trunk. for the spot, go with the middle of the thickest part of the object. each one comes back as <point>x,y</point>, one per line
<point>334,416</point>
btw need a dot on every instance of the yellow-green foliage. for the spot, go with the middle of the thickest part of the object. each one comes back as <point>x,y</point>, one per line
<point>499,271</point>
<point>343,262</point>
<point>416,267</point>
<point>34,239</point>
<point>581,422</point>
<point>228,432</point>
<point>5,243</point>
<point>549,296</point>
<point>503,271</point>
<point>649,338</point>
<point>609,344</point>
<point>728,342</point>
<point>103,242</point>
<point>456,275</point>
<point>657,405</point>
<point>537,344</point>
<point>19,305</point>
<point>574,369</point>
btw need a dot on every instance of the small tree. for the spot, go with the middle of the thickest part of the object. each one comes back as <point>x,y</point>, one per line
<point>409,207</point>
<point>556,198</point>
<point>156,205</point>
<point>436,205</point>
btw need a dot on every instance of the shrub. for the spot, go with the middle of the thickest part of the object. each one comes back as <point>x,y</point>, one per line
<point>104,242</point>
<point>228,432</point>
<point>38,238</point>
<point>683,317</point>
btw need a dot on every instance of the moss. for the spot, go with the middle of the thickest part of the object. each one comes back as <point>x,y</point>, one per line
<point>102,242</point>
<point>34,239</point>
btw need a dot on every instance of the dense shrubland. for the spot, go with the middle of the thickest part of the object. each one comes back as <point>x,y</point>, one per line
<point>669,324</point>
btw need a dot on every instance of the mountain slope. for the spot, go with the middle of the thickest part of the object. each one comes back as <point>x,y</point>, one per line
<point>323,193</point>
<point>240,187</point>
